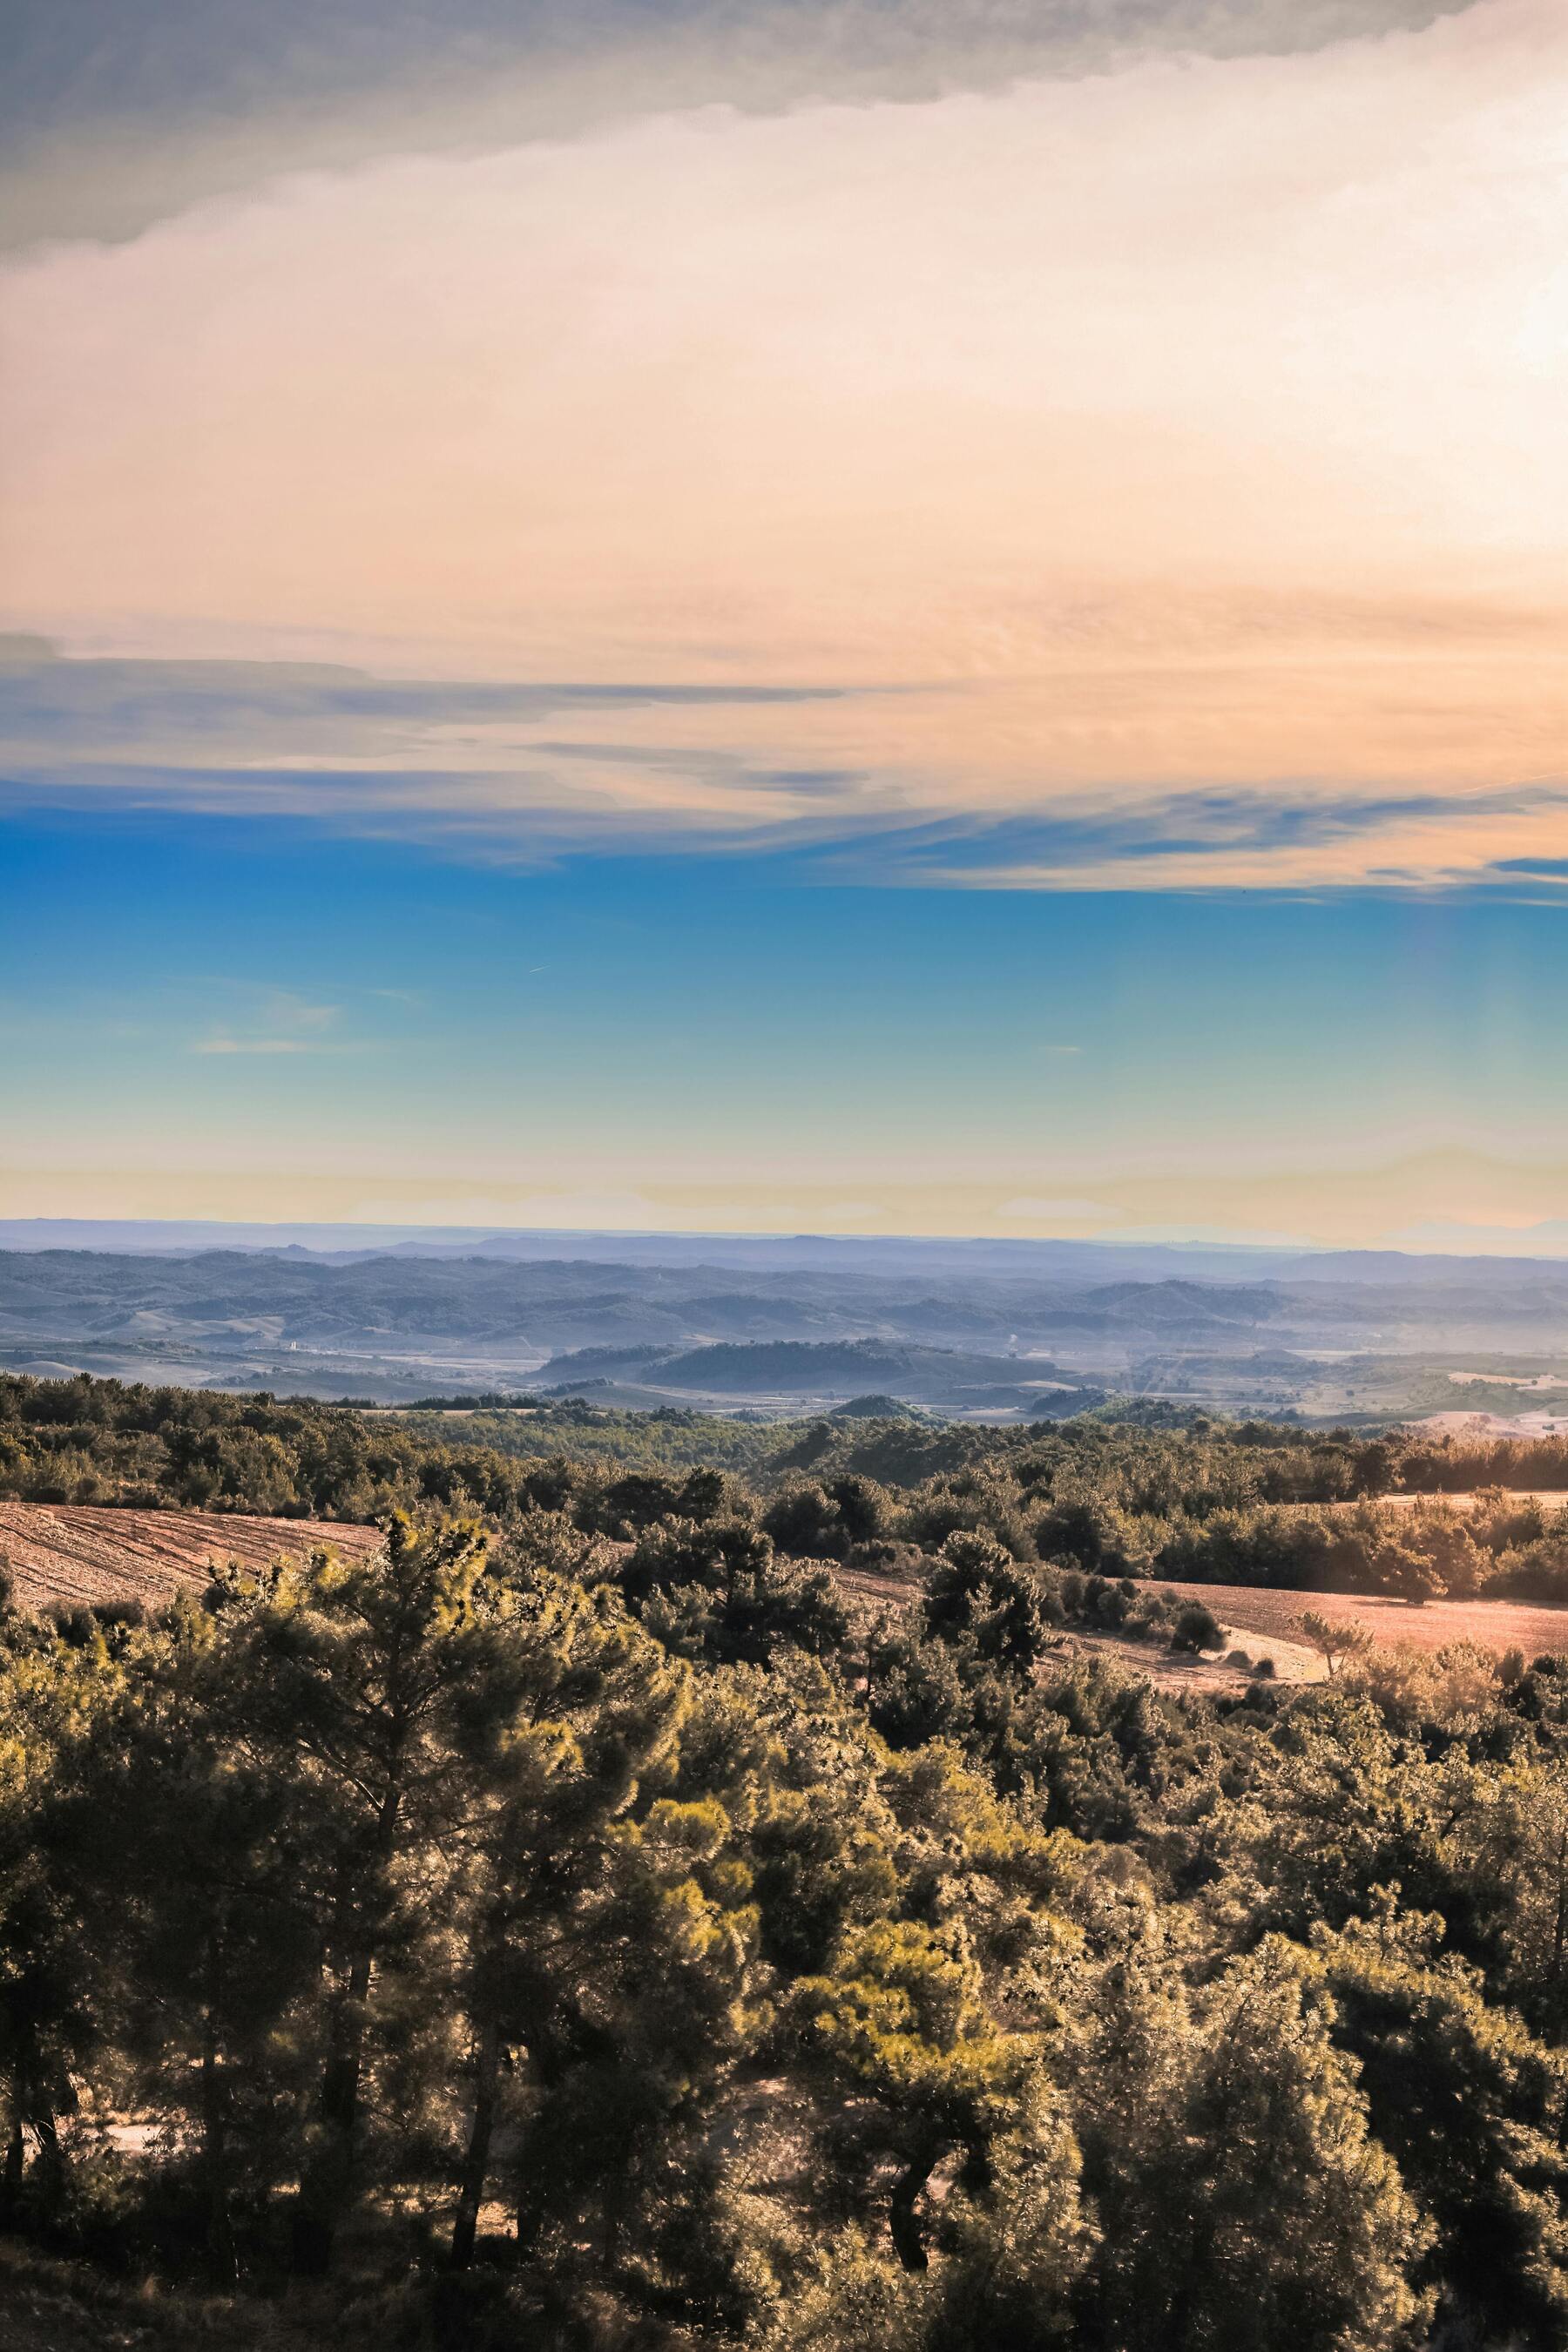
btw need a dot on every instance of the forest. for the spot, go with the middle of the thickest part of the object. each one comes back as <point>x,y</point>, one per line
<point>596,1921</point>
<point>1164,1492</point>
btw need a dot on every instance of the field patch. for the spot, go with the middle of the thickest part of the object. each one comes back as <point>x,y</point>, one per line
<point>1271,1614</point>
<point>76,1555</point>
<point>1551,1498</point>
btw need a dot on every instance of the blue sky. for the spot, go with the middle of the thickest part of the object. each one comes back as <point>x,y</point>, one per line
<point>235,1017</point>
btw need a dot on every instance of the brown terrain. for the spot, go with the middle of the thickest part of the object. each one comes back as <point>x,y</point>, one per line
<point>1262,1622</point>
<point>1551,1498</point>
<point>1205,1671</point>
<point>1269,1617</point>
<point>71,1554</point>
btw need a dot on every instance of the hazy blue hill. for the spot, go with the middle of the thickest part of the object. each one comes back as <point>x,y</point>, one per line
<point>912,1256</point>
<point>876,1408</point>
<point>1150,1304</point>
<point>961,1326</point>
<point>810,1369</point>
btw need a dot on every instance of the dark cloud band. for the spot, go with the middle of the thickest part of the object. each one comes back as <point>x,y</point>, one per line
<point>115,113</point>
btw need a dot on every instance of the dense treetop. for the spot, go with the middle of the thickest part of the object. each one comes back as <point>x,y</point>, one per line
<point>1192,1499</point>
<point>592,1922</point>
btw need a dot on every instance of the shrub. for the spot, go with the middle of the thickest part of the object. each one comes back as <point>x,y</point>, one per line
<point>1196,1628</point>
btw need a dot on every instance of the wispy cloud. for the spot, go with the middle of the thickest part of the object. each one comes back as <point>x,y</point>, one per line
<point>354,749</point>
<point>284,1010</point>
<point>279,1020</point>
<point>1152,480</point>
<point>145,734</point>
<point>221,1045</point>
<point>1278,838</point>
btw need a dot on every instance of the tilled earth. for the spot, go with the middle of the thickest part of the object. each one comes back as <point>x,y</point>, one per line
<point>68,1555</point>
<point>1499,1625</point>
<point>74,1554</point>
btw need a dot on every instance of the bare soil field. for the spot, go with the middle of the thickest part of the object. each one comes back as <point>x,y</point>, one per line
<point>880,1591</point>
<point>1262,1622</point>
<point>1270,1615</point>
<point>1551,1498</point>
<point>74,1554</point>
<point>1292,1660</point>
<point>1204,1671</point>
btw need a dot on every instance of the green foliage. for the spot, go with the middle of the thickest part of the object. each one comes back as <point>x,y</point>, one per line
<point>1244,2201</point>
<point>596,1919</point>
<point>979,1592</point>
<point>1429,2047</point>
<point>1196,1628</point>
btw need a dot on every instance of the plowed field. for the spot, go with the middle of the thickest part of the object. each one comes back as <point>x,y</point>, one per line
<point>1491,1624</point>
<point>71,1553</point>
<point>1551,1498</point>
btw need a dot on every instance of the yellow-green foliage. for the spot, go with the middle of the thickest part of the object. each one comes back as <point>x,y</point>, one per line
<point>559,1929</point>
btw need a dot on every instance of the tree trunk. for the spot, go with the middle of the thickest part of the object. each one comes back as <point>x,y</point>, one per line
<point>15,2160</point>
<point>477,2162</point>
<point>547,2061</point>
<point>528,2225</point>
<point>326,2177</point>
<point>909,2238</point>
<point>49,2167</point>
<point>326,2182</point>
<point>222,2260</point>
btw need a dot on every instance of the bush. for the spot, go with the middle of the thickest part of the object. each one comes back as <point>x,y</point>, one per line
<point>1196,1628</point>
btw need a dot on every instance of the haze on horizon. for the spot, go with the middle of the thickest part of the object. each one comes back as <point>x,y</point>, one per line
<point>799,616</point>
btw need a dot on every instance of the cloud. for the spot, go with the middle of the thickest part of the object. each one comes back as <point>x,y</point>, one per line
<point>347,750</point>
<point>252,1045</point>
<point>1280,839</point>
<point>290,1011</point>
<point>1151,480</point>
<point>1350,1193</point>
<point>1033,1212</point>
<point>341,745</point>
<point>116,116</point>
<point>283,1022</point>
<point>594,1209</point>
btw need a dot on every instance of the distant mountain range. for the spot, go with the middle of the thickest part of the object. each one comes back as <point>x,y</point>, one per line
<point>1085,1261</point>
<point>1002,1328</point>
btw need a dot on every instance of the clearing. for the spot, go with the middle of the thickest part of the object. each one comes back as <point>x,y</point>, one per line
<point>1551,1498</point>
<point>67,1554</point>
<point>75,1554</point>
<point>1268,1616</point>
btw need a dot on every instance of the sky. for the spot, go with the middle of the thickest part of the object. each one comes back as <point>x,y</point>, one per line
<point>877,617</point>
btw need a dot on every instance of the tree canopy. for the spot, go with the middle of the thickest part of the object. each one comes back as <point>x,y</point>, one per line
<point>587,1920</point>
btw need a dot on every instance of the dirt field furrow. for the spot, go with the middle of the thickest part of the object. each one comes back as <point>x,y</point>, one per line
<point>66,1554</point>
<point>1499,1625</point>
<point>69,1554</point>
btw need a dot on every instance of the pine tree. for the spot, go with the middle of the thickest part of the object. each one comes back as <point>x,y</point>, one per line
<point>347,1675</point>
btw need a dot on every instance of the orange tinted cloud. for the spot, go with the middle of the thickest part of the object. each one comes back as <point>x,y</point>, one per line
<point>1195,425</point>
